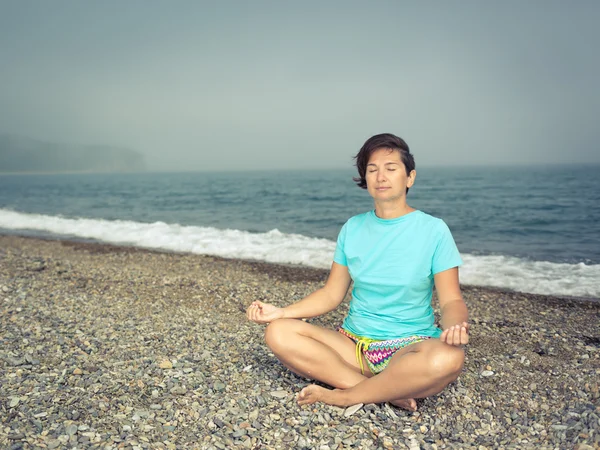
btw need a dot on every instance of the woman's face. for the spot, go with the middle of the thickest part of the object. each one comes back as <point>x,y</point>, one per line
<point>386,175</point>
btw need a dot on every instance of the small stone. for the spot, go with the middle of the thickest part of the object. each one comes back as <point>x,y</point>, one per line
<point>487,373</point>
<point>14,402</point>
<point>178,390</point>
<point>16,436</point>
<point>143,413</point>
<point>36,267</point>
<point>218,386</point>
<point>78,371</point>
<point>388,443</point>
<point>165,364</point>
<point>155,406</point>
<point>218,422</point>
<point>71,430</point>
<point>31,360</point>
<point>15,361</point>
<point>279,394</point>
<point>352,409</point>
<point>389,410</point>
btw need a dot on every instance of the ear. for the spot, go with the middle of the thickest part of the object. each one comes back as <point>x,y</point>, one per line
<point>411,178</point>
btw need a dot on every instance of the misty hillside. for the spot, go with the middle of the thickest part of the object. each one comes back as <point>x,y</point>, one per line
<point>19,154</point>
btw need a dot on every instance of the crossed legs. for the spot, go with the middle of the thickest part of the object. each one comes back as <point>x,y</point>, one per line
<point>416,371</point>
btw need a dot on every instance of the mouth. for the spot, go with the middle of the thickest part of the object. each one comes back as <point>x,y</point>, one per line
<point>382,188</point>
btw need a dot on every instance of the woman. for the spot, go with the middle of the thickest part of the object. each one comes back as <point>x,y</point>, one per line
<point>388,348</point>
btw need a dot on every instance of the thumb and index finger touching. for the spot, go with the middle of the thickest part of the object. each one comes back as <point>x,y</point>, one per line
<point>259,312</point>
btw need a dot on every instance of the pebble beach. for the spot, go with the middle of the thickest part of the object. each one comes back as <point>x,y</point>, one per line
<point>117,347</point>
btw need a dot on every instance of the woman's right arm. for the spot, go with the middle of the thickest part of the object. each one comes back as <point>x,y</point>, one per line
<point>319,302</point>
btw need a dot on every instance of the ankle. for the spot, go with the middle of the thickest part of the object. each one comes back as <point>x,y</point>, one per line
<point>344,399</point>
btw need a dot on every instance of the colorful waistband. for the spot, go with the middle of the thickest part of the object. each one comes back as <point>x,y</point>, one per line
<point>377,352</point>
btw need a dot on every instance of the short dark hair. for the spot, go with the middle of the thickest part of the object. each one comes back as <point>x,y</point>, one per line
<point>385,140</point>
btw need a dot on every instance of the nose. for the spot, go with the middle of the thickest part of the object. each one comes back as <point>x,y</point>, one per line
<point>380,175</point>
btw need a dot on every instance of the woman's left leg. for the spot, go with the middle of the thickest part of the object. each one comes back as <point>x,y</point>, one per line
<point>417,371</point>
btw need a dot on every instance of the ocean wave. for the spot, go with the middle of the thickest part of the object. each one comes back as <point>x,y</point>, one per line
<point>538,277</point>
<point>273,246</point>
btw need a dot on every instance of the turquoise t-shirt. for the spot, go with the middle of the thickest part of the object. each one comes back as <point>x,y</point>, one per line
<point>392,263</point>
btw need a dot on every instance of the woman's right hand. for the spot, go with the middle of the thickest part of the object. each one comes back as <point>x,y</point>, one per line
<point>260,312</point>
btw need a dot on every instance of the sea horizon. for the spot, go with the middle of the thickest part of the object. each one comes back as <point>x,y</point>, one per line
<point>158,171</point>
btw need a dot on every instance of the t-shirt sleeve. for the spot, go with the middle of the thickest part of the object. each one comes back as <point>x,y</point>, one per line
<point>446,254</point>
<point>340,256</point>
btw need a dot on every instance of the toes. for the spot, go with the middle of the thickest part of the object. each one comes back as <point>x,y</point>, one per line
<point>308,395</point>
<point>303,397</point>
<point>409,404</point>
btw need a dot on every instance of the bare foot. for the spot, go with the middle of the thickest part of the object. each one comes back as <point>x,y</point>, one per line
<point>313,394</point>
<point>410,404</point>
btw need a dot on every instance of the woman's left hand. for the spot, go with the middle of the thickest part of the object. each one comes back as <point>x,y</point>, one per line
<point>456,335</point>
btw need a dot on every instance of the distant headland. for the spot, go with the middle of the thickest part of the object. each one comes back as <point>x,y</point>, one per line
<point>23,154</point>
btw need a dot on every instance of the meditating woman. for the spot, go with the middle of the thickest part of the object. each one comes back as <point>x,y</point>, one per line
<point>388,347</point>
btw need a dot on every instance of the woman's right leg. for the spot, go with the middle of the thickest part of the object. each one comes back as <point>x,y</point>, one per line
<point>315,352</point>
<point>320,354</point>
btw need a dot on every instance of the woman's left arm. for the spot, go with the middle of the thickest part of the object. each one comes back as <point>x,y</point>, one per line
<point>453,309</point>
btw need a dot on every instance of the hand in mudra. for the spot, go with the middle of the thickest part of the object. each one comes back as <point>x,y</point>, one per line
<point>260,312</point>
<point>456,335</point>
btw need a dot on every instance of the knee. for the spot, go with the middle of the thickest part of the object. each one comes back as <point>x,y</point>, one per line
<point>447,362</point>
<point>277,334</point>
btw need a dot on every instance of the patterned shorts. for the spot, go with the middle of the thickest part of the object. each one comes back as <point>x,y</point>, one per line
<point>378,353</point>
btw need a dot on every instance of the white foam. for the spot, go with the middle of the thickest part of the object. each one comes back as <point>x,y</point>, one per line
<point>536,277</point>
<point>273,246</point>
<point>539,277</point>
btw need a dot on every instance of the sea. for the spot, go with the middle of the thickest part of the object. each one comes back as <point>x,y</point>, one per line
<point>527,229</point>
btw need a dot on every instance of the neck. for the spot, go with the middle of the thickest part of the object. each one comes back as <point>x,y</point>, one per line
<point>385,210</point>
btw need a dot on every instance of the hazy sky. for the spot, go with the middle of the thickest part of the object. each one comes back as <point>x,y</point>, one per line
<point>281,84</point>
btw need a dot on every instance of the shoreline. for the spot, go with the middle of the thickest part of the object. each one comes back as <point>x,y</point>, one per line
<point>107,346</point>
<point>311,273</point>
